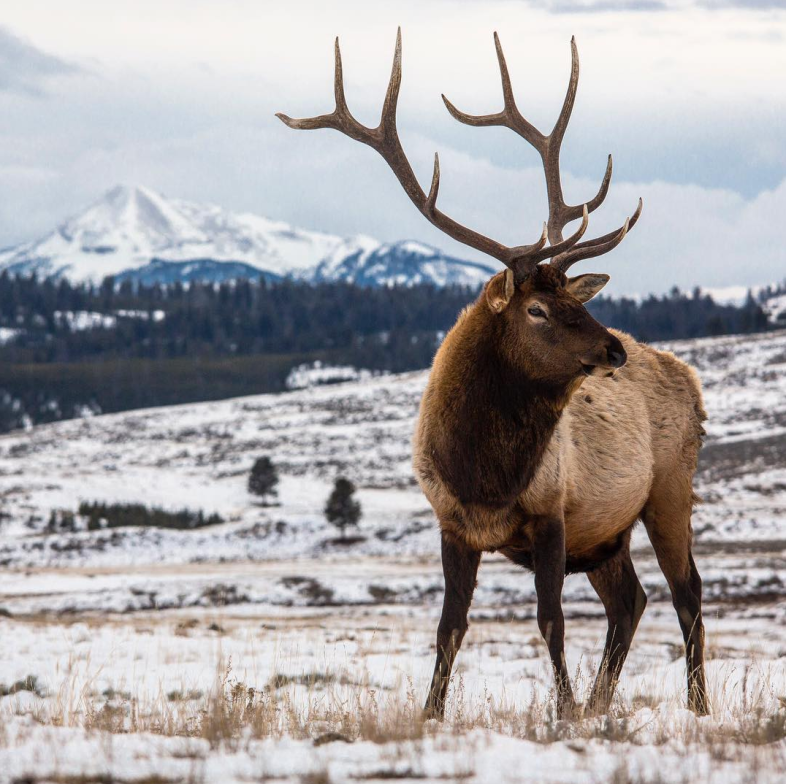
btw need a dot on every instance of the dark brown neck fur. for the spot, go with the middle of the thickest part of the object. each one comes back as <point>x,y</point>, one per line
<point>495,420</point>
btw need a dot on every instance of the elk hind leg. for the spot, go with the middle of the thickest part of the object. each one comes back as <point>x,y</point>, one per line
<point>460,567</point>
<point>667,517</point>
<point>624,600</point>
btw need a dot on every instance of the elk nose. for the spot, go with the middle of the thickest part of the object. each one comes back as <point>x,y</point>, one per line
<point>616,354</point>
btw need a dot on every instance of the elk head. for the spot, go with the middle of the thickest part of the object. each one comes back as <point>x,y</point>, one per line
<point>540,308</point>
<point>546,328</point>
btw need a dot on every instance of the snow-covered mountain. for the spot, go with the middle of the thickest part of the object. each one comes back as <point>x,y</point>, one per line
<point>134,232</point>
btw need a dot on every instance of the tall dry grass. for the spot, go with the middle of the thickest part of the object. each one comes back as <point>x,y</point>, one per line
<point>339,705</point>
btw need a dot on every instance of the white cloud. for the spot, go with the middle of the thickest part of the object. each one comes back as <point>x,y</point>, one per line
<point>180,96</point>
<point>688,235</point>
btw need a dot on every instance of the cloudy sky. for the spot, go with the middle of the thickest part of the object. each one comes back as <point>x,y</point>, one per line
<point>179,95</point>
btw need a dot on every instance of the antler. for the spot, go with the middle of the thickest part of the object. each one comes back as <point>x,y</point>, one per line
<point>384,139</point>
<point>560,213</point>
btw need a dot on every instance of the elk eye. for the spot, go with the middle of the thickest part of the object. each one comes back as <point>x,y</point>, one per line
<point>536,311</point>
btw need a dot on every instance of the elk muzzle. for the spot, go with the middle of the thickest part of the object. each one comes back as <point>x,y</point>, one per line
<point>610,357</point>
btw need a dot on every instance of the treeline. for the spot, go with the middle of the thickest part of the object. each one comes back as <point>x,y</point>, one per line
<point>678,316</point>
<point>392,328</point>
<point>67,350</point>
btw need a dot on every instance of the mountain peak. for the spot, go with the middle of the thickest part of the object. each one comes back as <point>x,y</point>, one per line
<point>127,190</point>
<point>125,196</point>
<point>133,217</point>
<point>135,232</point>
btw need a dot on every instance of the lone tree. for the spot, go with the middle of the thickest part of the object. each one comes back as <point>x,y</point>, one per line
<point>342,509</point>
<point>263,479</point>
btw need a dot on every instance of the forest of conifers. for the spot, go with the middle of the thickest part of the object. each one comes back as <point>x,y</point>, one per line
<point>67,348</point>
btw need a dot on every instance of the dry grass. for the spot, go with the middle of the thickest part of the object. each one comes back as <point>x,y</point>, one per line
<point>331,709</point>
<point>326,687</point>
<point>332,706</point>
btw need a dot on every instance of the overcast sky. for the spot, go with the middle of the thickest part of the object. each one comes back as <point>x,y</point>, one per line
<point>179,95</point>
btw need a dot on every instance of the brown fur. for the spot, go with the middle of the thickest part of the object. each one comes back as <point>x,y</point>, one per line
<point>512,432</point>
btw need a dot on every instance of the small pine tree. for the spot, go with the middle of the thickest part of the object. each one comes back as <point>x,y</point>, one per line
<point>263,479</point>
<point>341,509</point>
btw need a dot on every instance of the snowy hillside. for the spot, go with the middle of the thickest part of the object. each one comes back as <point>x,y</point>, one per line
<point>133,232</point>
<point>199,455</point>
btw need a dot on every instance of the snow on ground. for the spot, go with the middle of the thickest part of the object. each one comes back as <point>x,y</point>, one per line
<point>775,308</point>
<point>163,693</point>
<point>83,320</point>
<point>231,653</point>
<point>317,373</point>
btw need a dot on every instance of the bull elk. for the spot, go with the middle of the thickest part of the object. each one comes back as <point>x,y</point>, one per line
<point>543,435</point>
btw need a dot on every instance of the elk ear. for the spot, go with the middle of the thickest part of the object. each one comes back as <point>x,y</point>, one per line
<point>499,291</point>
<point>585,287</point>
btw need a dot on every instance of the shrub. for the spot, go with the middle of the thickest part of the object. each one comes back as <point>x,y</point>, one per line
<point>100,515</point>
<point>61,521</point>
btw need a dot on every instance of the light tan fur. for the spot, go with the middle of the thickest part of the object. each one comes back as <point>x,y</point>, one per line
<point>619,439</point>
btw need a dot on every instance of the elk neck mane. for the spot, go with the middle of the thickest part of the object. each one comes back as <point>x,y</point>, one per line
<point>494,420</point>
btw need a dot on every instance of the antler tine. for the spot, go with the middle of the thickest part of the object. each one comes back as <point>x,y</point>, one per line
<point>599,197</point>
<point>599,245</point>
<point>338,82</point>
<point>433,191</point>
<point>559,212</point>
<point>558,132</point>
<point>388,120</point>
<point>571,213</point>
<point>507,89</point>
<point>509,117</point>
<point>340,119</point>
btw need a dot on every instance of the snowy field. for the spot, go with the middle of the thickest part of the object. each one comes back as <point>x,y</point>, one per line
<point>263,649</point>
<point>248,692</point>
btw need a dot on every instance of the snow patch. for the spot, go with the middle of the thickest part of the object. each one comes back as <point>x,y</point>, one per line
<point>311,375</point>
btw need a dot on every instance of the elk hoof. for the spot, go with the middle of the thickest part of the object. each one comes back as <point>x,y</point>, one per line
<point>437,713</point>
<point>567,709</point>
<point>596,705</point>
<point>699,706</point>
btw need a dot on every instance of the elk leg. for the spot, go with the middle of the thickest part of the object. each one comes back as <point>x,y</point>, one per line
<point>548,551</point>
<point>667,519</point>
<point>460,568</point>
<point>624,599</point>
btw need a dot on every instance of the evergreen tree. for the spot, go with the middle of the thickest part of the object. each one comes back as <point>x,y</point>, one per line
<point>341,509</point>
<point>263,479</point>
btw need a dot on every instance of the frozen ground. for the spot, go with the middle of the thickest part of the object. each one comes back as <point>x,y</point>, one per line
<point>223,654</point>
<point>251,692</point>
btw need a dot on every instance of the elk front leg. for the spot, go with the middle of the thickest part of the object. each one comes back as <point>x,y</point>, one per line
<point>460,567</point>
<point>548,551</point>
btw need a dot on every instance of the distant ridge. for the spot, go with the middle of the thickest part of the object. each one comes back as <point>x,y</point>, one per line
<point>134,233</point>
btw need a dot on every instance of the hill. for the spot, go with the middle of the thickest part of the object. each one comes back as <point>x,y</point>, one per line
<point>199,456</point>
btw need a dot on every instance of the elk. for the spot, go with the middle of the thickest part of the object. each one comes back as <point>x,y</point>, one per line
<point>543,435</point>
